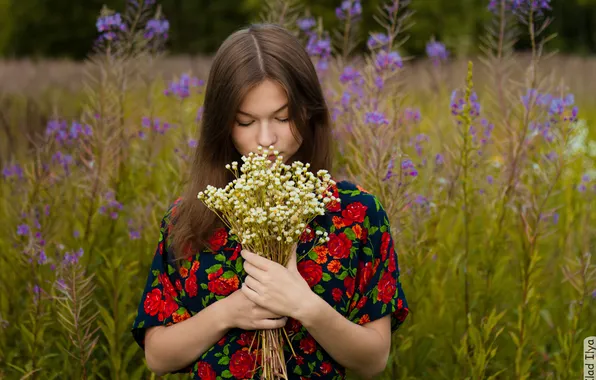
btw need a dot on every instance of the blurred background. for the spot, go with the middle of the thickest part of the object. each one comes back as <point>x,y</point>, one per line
<point>38,29</point>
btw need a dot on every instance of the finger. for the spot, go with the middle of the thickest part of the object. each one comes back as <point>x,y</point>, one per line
<point>250,294</point>
<point>254,284</point>
<point>266,314</point>
<point>270,324</point>
<point>256,260</point>
<point>253,271</point>
<point>292,265</point>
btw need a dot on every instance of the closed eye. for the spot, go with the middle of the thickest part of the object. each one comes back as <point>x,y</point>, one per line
<point>247,124</point>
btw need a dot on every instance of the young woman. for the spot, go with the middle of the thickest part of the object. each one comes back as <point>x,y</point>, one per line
<point>205,296</point>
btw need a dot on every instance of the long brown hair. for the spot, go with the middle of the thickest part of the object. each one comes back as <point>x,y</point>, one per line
<point>245,59</point>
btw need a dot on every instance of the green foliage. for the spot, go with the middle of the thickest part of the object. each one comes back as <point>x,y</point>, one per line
<point>498,273</point>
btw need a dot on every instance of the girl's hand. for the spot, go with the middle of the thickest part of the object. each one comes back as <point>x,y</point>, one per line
<point>247,315</point>
<point>275,287</point>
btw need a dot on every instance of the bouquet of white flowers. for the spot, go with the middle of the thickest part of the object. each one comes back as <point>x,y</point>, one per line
<point>268,206</point>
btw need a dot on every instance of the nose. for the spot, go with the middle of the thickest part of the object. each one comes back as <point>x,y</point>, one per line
<point>266,135</point>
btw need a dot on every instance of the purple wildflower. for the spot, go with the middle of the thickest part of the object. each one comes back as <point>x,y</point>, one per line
<point>436,51</point>
<point>65,134</point>
<point>555,218</point>
<point>306,23</point>
<point>157,28</point>
<point>517,6</point>
<point>108,25</point>
<point>391,61</point>
<point>458,103</point>
<point>12,171</point>
<point>192,143</point>
<point>379,82</point>
<point>439,159</point>
<point>42,259</point>
<point>22,229</point>
<point>72,258</point>
<point>319,47</point>
<point>350,74</point>
<point>377,40</point>
<point>389,169</point>
<point>377,118</point>
<point>408,167</point>
<point>412,114</point>
<point>349,8</point>
<point>64,160</point>
<point>345,99</point>
<point>184,86</point>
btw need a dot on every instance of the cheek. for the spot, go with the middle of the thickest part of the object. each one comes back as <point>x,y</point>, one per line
<point>240,138</point>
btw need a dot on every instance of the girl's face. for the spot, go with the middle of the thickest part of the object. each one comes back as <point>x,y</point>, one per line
<point>262,119</point>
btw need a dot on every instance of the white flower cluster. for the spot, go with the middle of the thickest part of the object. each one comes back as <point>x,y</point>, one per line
<point>270,203</point>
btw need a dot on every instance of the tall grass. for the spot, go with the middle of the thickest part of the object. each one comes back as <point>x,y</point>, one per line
<point>486,169</point>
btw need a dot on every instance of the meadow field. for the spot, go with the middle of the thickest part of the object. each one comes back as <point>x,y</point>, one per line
<point>486,166</point>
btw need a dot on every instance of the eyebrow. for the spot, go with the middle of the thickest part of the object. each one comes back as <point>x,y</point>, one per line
<point>274,112</point>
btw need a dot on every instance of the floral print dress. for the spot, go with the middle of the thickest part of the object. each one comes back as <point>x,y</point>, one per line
<point>356,272</point>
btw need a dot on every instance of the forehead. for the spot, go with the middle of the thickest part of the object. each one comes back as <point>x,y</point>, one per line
<point>263,99</point>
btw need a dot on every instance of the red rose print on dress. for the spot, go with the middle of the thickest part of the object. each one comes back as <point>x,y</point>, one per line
<point>190,285</point>
<point>326,368</point>
<point>311,272</point>
<point>308,345</point>
<point>364,319</point>
<point>224,286</point>
<point>180,317</point>
<point>339,245</point>
<point>242,364</point>
<point>293,325</point>
<point>337,294</point>
<point>218,239</point>
<point>247,338</point>
<point>169,307</point>
<point>334,206</point>
<point>354,212</point>
<point>334,266</point>
<point>205,371</point>
<point>387,286</point>
<point>402,312</point>
<point>307,235</point>
<point>216,274</point>
<point>349,284</point>
<point>168,288</point>
<point>392,264</point>
<point>365,273</point>
<point>385,245</point>
<point>362,302</point>
<point>339,223</point>
<point>153,302</point>
<point>236,252</point>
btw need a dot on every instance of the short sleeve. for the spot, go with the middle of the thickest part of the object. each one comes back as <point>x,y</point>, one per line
<point>378,290</point>
<point>160,303</point>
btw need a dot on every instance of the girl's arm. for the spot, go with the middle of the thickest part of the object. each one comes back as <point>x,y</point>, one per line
<point>170,348</point>
<point>361,348</point>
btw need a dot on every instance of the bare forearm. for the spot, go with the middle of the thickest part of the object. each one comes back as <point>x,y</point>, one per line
<point>356,347</point>
<point>174,347</point>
